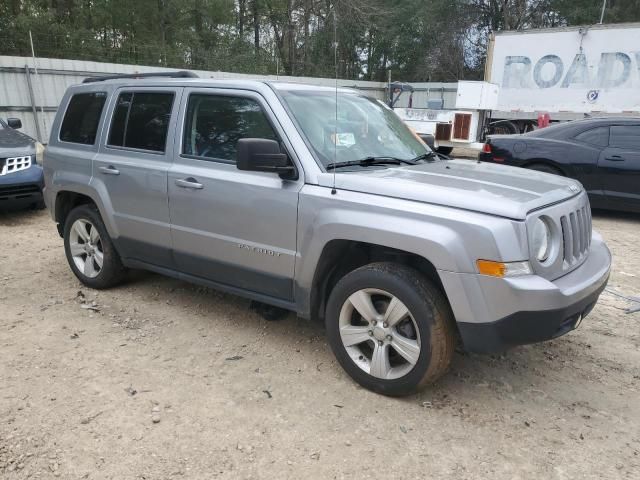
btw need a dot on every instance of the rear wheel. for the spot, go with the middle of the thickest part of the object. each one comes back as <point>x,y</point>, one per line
<point>89,249</point>
<point>503,127</point>
<point>444,150</point>
<point>390,328</point>
<point>541,167</point>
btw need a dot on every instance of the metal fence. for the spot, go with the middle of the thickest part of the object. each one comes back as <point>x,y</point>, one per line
<point>34,98</point>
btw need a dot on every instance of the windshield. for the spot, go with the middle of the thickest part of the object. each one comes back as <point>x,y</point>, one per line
<point>365,127</point>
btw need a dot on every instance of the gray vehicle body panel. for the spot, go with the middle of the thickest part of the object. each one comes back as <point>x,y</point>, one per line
<point>258,235</point>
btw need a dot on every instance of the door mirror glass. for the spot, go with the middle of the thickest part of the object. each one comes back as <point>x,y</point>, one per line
<point>262,155</point>
<point>14,123</point>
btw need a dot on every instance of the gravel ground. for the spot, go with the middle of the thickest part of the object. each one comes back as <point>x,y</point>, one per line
<point>160,379</point>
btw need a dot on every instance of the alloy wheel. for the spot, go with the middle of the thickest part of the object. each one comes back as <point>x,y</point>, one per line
<point>86,249</point>
<point>379,333</point>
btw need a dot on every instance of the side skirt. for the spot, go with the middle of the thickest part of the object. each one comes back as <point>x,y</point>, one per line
<point>276,302</point>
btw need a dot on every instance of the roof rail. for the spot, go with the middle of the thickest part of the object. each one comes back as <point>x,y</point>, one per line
<point>179,74</point>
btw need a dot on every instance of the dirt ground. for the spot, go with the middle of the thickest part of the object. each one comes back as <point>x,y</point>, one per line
<point>160,379</point>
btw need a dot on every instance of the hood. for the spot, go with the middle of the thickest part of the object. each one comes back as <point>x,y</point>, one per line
<point>14,143</point>
<point>501,190</point>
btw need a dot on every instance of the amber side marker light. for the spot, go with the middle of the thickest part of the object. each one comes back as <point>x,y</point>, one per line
<point>503,269</point>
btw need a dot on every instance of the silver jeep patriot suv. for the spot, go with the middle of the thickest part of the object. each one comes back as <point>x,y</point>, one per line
<point>323,202</point>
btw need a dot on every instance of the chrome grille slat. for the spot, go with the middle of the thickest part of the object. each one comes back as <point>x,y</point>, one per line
<point>567,237</point>
<point>574,235</point>
<point>581,239</point>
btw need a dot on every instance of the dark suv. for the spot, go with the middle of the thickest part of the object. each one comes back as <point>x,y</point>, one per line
<point>21,178</point>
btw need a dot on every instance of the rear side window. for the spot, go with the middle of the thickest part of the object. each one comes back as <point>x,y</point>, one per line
<point>625,136</point>
<point>141,120</point>
<point>214,124</point>
<point>80,123</point>
<point>598,136</point>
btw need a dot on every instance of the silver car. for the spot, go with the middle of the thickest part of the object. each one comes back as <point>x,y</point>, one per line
<point>324,203</point>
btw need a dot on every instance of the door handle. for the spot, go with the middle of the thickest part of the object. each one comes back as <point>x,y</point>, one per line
<point>189,183</point>
<point>615,158</point>
<point>110,170</point>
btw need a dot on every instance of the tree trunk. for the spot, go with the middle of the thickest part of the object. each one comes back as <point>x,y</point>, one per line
<point>242,7</point>
<point>256,25</point>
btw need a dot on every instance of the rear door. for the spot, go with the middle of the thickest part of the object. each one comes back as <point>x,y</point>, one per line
<point>619,165</point>
<point>236,228</point>
<point>131,167</point>
<point>584,161</point>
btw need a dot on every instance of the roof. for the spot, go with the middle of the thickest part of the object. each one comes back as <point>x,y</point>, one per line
<point>231,83</point>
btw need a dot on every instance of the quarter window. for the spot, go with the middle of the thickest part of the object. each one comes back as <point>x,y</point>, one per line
<point>141,120</point>
<point>214,124</point>
<point>625,136</point>
<point>598,136</point>
<point>80,123</point>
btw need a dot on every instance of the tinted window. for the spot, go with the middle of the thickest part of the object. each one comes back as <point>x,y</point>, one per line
<point>120,114</point>
<point>141,120</point>
<point>82,117</point>
<point>625,136</point>
<point>595,136</point>
<point>214,124</point>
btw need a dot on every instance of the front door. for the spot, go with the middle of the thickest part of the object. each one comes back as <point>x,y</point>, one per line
<point>132,166</point>
<point>619,165</point>
<point>233,227</point>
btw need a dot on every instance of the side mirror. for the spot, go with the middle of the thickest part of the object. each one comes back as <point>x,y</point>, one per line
<point>14,123</point>
<point>262,155</point>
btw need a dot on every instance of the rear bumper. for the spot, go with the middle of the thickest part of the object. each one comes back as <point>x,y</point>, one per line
<point>494,314</point>
<point>21,189</point>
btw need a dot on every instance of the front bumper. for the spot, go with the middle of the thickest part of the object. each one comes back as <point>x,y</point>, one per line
<point>494,314</point>
<point>21,189</point>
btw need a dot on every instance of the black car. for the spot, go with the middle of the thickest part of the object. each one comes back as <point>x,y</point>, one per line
<point>602,153</point>
<point>21,178</point>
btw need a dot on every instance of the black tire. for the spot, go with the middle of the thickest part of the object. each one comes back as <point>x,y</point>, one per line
<point>541,167</point>
<point>426,304</point>
<point>444,150</point>
<point>503,127</point>
<point>112,272</point>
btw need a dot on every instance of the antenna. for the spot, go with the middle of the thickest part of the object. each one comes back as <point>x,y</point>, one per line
<point>335,125</point>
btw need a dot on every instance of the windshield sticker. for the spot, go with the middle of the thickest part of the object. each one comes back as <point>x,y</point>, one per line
<point>345,139</point>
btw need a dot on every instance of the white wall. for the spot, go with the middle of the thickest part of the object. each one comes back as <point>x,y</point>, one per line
<point>569,69</point>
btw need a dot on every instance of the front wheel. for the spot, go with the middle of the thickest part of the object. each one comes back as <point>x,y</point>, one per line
<point>390,328</point>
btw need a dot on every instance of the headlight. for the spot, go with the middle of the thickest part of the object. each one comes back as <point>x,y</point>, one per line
<point>541,239</point>
<point>39,153</point>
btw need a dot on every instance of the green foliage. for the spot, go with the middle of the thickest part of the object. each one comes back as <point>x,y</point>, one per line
<point>417,40</point>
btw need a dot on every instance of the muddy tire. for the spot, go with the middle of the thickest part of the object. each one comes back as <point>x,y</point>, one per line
<point>390,328</point>
<point>89,249</point>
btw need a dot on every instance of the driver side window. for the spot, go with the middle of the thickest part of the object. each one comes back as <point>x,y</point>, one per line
<point>215,123</point>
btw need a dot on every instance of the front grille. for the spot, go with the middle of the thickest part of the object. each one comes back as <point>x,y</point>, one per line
<point>14,164</point>
<point>21,191</point>
<point>576,235</point>
<point>570,224</point>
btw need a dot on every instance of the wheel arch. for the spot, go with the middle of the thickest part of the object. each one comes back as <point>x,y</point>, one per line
<point>340,257</point>
<point>561,169</point>
<point>67,200</point>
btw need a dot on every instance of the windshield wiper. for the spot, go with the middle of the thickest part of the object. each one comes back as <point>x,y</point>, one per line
<point>428,157</point>
<point>367,161</point>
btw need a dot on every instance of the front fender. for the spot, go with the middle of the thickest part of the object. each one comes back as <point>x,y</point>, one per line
<point>451,239</point>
